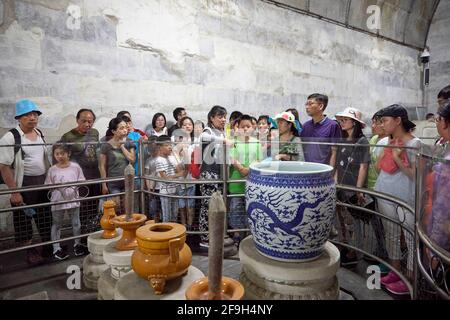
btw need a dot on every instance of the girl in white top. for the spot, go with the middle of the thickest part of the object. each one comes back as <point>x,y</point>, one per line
<point>63,172</point>
<point>183,154</point>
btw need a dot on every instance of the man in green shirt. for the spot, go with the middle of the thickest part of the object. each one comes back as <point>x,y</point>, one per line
<point>84,151</point>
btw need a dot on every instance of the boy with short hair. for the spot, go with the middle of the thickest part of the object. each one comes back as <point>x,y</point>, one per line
<point>246,150</point>
<point>167,168</point>
<point>154,204</point>
<point>264,134</point>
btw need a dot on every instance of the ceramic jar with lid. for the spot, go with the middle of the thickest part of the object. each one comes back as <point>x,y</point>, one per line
<point>162,253</point>
<point>109,229</point>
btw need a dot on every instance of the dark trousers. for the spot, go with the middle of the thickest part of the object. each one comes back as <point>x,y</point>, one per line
<point>43,218</point>
<point>378,229</point>
<point>377,226</point>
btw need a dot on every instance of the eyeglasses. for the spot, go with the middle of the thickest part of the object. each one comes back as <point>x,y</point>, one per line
<point>310,103</point>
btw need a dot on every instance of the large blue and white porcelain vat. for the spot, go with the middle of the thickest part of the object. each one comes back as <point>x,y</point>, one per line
<point>290,207</point>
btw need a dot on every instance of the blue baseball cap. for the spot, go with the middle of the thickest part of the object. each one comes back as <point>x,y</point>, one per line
<point>24,107</point>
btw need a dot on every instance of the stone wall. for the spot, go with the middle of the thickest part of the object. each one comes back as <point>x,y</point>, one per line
<point>148,55</point>
<point>439,43</point>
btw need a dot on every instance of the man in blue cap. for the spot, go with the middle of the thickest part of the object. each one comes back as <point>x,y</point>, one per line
<point>24,166</point>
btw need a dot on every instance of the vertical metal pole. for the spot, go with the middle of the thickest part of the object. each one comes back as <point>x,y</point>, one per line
<point>417,206</point>
<point>141,176</point>
<point>225,184</point>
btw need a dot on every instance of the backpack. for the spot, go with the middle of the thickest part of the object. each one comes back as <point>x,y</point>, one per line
<point>18,146</point>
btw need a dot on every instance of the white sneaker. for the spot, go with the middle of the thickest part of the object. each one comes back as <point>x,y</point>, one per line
<point>204,244</point>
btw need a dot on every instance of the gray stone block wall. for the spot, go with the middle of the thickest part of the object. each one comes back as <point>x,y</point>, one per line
<point>150,56</point>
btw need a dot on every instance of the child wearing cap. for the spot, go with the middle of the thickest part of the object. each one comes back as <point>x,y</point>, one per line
<point>400,184</point>
<point>288,147</point>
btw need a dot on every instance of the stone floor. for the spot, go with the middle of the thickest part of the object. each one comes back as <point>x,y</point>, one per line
<point>49,281</point>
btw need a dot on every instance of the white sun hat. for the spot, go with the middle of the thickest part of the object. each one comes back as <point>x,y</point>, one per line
<point>352,113</point>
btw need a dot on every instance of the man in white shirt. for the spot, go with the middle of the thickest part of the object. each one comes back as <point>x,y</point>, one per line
<point>23,167</point>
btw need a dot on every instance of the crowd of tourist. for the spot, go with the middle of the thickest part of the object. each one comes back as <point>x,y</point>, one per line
<point>191,150</point>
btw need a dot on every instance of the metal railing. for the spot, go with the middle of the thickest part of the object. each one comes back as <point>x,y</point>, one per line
<point>421,239</point>
<point>433,203</point>
<point>371,240</point>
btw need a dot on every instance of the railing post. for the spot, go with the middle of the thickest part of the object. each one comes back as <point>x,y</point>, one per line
<point>141,176</point>
<point>417,207</point>
<point>225,184</point>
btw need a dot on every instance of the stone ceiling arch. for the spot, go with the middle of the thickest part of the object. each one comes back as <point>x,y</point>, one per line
<point>405,22</point>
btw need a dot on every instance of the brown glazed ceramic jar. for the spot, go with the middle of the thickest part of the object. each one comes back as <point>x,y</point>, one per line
<point>109,229</point>
<point>162,253</point>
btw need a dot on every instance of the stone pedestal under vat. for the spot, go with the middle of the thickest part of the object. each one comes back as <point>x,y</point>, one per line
<point>268,279</point>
